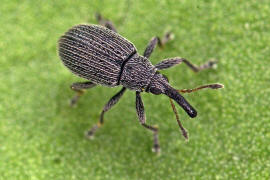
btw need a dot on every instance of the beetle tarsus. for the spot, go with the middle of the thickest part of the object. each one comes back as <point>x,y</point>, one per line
<point>156,146</point>
<point>79,88</point>
<point>74,100</point>
<point>209,64</point>
<point>168,36</point>
<point>90,134</point>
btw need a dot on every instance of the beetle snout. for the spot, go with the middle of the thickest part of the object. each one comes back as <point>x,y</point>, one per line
<point>173,94</point>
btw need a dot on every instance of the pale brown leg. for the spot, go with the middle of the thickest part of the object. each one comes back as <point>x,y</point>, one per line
<point>79,88</point>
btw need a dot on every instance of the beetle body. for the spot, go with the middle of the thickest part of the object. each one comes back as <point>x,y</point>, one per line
<point>104,57</point>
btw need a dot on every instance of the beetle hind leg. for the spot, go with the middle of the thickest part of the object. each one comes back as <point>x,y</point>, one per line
<point>108,106</point>
<point>79,88</point>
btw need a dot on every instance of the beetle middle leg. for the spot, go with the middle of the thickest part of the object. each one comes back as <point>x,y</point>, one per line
<point>107,107</point>
<point>79,87</point>
<point>104,22</point>
<point>167,63</point>
<point>141,116</point>
<point>156,41</point>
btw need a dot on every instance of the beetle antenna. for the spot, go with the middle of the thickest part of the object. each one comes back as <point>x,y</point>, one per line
<point>183,130</point>
<point>211,86</point>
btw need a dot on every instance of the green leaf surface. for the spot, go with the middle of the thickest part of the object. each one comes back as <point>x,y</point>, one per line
<point>41,137</point>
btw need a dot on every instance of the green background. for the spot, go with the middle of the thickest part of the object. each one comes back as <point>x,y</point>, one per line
<point>41,137</point>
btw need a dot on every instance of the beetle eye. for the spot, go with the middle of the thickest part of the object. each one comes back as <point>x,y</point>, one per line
<point>155,91</point>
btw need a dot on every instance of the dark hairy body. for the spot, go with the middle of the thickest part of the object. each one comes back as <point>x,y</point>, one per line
<point>103,57</point>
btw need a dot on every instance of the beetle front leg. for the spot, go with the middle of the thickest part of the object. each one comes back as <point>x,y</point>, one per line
<point>141,116</point>
<point>107,107</point>
<point>104,22</point>
<point>154,41</point>
<point>79,87</point>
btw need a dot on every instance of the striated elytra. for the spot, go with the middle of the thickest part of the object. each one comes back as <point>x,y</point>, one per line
<point>102,56</point>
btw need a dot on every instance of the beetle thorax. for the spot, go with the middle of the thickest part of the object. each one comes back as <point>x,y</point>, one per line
<point>137,73</point>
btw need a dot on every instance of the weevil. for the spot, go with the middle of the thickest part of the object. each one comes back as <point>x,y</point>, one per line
<point>103,57</point>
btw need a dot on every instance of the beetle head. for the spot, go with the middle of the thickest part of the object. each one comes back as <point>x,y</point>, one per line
<point>160,85</point>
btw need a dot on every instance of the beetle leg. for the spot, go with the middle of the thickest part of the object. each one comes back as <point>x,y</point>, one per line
<point>141,116</point>
<point>167,37</point>
<point>79,87</point>
<point>211,86</point>
<point>107,107</point>
<point>151,46</point>
<point>167,63</point>
<point>104,22</point>
<point>154,41</point>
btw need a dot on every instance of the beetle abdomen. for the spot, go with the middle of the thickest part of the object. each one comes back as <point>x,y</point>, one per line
<point>95,53</point>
